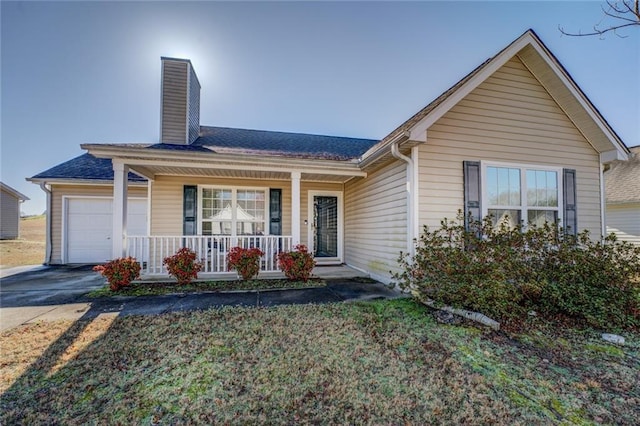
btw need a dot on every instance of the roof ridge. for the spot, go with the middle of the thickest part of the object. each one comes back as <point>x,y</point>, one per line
<point>288,133</point>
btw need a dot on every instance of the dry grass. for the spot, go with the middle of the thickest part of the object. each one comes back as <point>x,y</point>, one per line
<point>375,363</point>
<point>29,249</point>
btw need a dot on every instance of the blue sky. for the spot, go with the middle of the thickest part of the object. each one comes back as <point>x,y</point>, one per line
<point>83,72</point>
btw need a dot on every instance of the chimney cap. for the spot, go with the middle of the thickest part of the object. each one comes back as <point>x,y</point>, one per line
<point>168,58</point>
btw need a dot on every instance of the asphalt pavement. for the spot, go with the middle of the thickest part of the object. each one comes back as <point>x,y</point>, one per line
<point>59,292</point>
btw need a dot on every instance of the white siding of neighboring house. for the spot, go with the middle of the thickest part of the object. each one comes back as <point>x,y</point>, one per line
<point>376,220</point>
<point>10,216</point>
<point>57,194</point>
<point>510,117</point>
<point>624,221</point>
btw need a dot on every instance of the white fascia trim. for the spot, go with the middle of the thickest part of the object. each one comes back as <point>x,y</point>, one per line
<point>496,63</point>
<point>377,151</point>
<point>610,156</point>
<point>453,99</point>
<point>308,168</point>
<point>579,95</point>
<point>82,182</point>
<point>138,156</point>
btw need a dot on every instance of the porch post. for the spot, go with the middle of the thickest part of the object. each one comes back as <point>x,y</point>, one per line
<point>120,178</point>
<point>295,207</point>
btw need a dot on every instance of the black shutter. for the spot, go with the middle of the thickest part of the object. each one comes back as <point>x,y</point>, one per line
<point>190,210</point>
<point>275,211</point>
<point>570,208</point>
<point>472,191</point>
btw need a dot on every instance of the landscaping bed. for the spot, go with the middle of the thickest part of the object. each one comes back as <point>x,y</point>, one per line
<point>383,362</point>
<point>141,288</point>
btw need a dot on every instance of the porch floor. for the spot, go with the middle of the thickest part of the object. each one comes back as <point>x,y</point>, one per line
<point>325,272</point>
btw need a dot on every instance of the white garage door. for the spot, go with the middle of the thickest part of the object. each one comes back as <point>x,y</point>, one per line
<point>89,227</point>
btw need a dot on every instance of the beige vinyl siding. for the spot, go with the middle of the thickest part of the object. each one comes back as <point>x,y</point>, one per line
<point>376,220</point>
<point>174,102</point>
<point>10,216</point>
<point>624,221</point>
<point>194,106</point>
<point>508,118</point>
<point>60,191</point>
<point>167,194</point>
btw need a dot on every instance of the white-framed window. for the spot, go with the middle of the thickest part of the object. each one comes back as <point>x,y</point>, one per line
<point>521,193</point>
<point>232,211</point>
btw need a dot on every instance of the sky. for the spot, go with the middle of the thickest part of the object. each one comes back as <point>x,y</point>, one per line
<point>89,72</point>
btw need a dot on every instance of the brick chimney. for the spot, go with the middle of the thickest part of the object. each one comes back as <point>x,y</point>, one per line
<point>179,102</point>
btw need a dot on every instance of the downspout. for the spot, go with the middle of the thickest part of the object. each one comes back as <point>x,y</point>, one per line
<point>603,202</point>
<point>47,256</point>
<point>395,151</point>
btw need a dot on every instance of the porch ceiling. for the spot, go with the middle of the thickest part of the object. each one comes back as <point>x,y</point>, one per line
<point>152,171</point>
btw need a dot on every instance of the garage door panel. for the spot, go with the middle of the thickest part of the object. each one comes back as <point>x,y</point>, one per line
<point>89,227</point>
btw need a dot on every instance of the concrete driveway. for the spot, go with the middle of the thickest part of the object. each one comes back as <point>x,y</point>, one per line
<point>45,293</point>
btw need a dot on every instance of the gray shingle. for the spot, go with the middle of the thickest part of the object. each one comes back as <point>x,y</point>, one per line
<point>85,166</point>
<point>622,180</point>
<point>283,143</point>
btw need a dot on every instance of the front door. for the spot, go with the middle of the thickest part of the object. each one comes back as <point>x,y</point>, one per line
<point>325,229</point>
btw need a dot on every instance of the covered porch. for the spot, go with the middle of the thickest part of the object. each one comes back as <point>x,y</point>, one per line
<point>213,204</point>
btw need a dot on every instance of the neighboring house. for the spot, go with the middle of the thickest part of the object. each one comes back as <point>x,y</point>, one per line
<point>516,136</point>
<point>622,189</point>
<point>10,201</point>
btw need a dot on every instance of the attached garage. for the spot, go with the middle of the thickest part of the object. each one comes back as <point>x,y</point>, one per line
<point>88,227</point>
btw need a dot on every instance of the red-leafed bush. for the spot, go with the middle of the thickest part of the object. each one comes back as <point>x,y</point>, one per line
<point>183,265</point>
<point>245,261</point>
<point>119,272</point>
<point>296,265</point>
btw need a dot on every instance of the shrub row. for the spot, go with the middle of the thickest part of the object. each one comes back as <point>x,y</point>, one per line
<point>505,272</point>
<point>296,265</point>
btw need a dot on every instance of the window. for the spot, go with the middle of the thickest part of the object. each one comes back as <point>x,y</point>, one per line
<point>227,211</point>
<point>517,194</point>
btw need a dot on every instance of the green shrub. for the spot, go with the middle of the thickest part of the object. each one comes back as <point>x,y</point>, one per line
<point>119,272</point>
<point>504,272</point>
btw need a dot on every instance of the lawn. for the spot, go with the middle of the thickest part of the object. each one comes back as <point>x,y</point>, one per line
<point>386,362</point>
<point>29,248</point>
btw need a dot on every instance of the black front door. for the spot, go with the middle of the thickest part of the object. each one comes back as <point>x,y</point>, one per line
<point>325,226</point>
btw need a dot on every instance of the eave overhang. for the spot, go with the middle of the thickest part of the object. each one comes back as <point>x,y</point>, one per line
<point>152,162</point>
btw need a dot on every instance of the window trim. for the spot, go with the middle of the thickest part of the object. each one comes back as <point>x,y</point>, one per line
<point>234,204</point>
<point>524,208</point>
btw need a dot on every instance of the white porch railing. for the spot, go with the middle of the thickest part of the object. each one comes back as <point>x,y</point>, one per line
<point>211,250</point>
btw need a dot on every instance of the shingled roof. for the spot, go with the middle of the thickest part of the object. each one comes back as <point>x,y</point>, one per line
<point>622,180</point>
<point>299,145</point>
<point>223,140</point>
<point>85,167</point>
